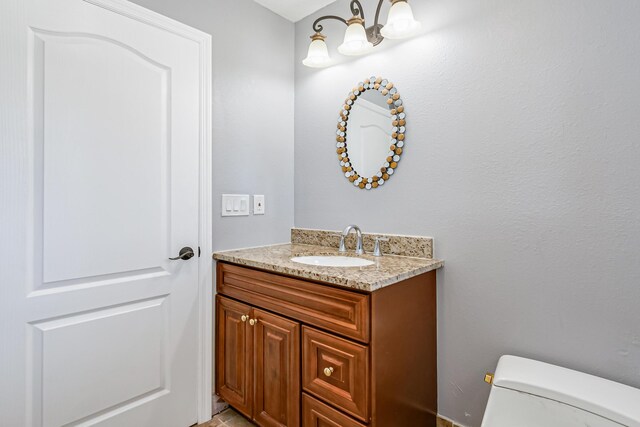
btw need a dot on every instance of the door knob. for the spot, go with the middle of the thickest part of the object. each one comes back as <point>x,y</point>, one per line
<point>185,254</point>
<point>328,371</point>
<point>244,318</point>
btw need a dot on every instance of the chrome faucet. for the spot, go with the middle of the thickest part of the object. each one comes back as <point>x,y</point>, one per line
<point>345,233</point>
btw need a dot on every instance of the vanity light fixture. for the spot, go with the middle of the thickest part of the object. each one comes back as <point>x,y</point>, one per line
<point>318,55</point>
<point>355,38</point>
<point>358,39</point>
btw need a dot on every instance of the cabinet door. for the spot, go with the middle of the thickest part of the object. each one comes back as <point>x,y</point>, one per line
<point>234,349</point>
<point>277,370</point>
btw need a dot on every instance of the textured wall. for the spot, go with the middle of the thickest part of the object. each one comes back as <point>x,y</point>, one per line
<point>521,160</point>
<point>252,112</point>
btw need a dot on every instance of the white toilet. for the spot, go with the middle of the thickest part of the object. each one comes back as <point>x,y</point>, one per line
<point>528,393</point>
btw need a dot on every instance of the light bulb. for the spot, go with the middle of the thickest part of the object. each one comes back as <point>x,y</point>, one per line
<point>400,23</point>
<point>318,54</point>
<point>355,39</point>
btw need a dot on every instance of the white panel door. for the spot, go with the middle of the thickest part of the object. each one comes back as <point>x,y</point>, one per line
<point>100,188</point>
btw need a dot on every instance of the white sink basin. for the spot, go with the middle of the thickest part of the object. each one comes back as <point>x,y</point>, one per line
<point>332,261</point>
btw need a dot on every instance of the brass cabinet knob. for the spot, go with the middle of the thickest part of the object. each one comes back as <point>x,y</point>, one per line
<point>244,318</point>
<point>253,322</point>
<point>328,371</point>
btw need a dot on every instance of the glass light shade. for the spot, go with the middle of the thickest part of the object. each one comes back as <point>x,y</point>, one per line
<point>355,41</point>
<point>400,23</point>
<point>318,55</point>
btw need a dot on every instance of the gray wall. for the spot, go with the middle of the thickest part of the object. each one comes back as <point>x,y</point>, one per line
<point>522,161</point>
<point>253,84</point>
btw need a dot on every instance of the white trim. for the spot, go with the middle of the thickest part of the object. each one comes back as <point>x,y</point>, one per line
<point>205,263</point>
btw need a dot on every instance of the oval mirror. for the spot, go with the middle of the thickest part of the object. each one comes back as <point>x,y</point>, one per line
<point>371,133</point>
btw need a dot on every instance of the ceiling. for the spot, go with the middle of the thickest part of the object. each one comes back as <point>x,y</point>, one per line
<point>294,10</point>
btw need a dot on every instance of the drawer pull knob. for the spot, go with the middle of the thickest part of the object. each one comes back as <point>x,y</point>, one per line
<point>244,318</point>
<point>328,371</point>
<point>253,322</point>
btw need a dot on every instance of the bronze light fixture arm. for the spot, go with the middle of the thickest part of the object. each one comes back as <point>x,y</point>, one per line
<point>318,28</point>
<point>357,9</point>
<point>373,33</point>
<point>376,24</point>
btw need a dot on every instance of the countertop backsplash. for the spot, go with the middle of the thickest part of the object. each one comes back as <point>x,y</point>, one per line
<point>412,246</point>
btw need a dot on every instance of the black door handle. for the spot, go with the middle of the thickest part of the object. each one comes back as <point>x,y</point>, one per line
<point>186,253</point>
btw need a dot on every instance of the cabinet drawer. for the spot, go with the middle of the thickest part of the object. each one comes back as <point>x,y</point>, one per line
<point>336,371</point>
<point>343,312</point>
<point>317,414</point>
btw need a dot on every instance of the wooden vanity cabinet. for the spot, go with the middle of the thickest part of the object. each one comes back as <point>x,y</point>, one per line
<point>323,356</point>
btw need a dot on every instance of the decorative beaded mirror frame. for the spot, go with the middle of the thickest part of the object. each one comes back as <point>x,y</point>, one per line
<point>398,121</point>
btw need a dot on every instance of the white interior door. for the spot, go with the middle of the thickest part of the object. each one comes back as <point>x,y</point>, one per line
<point>100,188</point>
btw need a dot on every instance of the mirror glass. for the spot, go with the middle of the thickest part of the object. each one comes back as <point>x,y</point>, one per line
<point>369,132</point>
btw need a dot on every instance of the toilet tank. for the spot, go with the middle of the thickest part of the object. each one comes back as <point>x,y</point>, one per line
<point>528,393</point>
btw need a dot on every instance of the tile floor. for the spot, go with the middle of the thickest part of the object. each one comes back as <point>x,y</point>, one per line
<point>228,418</point>
<point>445,423</point>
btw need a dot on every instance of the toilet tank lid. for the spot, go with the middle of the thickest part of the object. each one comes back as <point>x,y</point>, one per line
<point>618,402</point>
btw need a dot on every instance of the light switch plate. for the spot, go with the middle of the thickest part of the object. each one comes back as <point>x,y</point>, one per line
<point>235,205</point>
<point>258,204</point>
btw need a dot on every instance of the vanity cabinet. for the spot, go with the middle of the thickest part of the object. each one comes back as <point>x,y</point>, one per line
<point>293,352</point>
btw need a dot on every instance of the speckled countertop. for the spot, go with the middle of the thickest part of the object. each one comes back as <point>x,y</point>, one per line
<point>385,271</point>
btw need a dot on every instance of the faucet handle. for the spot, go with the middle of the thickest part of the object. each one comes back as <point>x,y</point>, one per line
<point>376,250</point>
<point>342,247</point>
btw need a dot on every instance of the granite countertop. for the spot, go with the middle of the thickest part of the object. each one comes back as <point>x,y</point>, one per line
<point>385,271</point>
